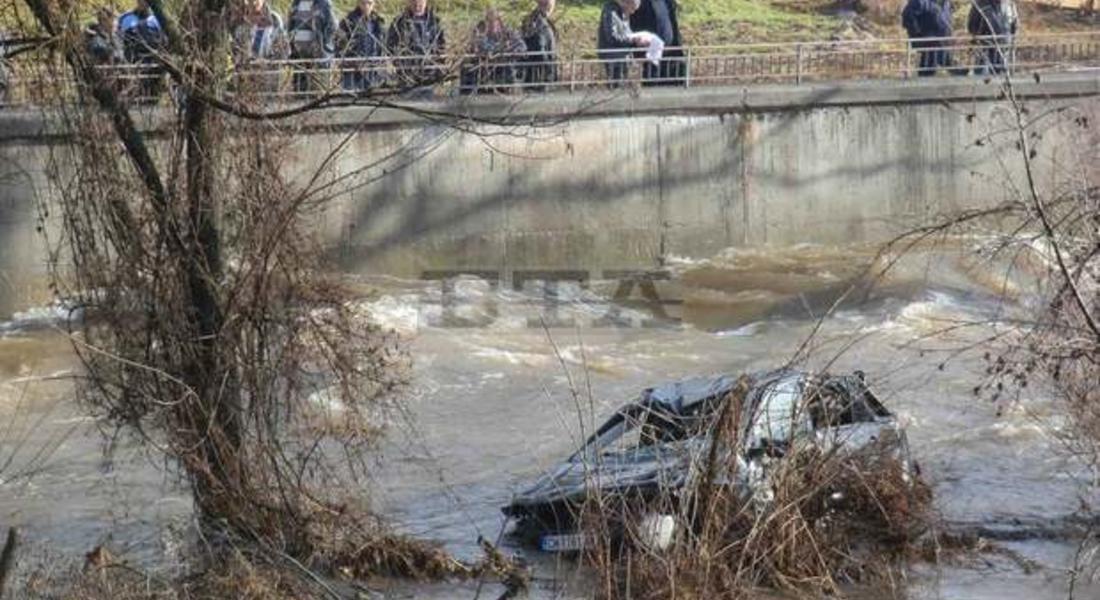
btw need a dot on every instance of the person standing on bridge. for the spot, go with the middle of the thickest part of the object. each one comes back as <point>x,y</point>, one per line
<point>100,41</point>
<point>416,43</point>
<point>362,40</point>
<point>927,22</point>
<point>497,55</point>
<point>540,36</point>
<point>311,27</point>
<point>104,48</point>
<point>5,81</point>
<point>142,39</point>
<point>994,23</point>
<point>659,16</point>
<point>258,37</point>
<point>616,40</point>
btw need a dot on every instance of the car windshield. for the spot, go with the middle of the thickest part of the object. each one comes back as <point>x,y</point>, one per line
<point>776,412</point>
<point>638,426</point>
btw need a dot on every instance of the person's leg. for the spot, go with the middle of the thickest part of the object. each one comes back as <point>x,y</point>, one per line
<point>151,84</point>
<point>651,73</point>
<point>467,80</point>
<point>300,80</point>
<point>539,73</point>
<point>353,74</point>
<point>611,67</point>
<point>506,77</point>
<point>672,70</point>
<point>996,59</point>
<point>926,63</point>
<point>941,59</point>
<point>919,47</point>
<point>981,59</point>
<point>321,80</point>
<point>622,69</point>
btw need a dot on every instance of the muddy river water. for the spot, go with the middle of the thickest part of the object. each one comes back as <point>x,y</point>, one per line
<point>490,406</point>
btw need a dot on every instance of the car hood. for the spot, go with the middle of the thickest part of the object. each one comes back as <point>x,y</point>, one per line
<point>667,466</point>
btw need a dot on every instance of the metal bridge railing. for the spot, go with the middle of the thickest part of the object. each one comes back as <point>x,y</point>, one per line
<point>796,62</point>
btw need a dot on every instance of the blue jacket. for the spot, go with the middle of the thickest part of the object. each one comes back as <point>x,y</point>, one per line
<point>927,18</point>
<point>141,36</point>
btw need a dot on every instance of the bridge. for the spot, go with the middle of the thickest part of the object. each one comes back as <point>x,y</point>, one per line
<point>38,83</point>
<point>600,180</point>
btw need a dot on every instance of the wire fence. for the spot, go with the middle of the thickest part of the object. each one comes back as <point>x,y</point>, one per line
<point>40,83</point>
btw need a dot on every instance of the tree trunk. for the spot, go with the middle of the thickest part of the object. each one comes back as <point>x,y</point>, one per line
<point>7,558</point>
<point>216,414</point>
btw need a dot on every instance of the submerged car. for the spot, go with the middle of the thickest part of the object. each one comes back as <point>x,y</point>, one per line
<point>652,450</point>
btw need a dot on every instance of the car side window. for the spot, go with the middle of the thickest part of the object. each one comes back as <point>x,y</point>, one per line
<point>843,401</point>
<point>620,432</point>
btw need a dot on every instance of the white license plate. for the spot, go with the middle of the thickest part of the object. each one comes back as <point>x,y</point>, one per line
<point>562,543</point>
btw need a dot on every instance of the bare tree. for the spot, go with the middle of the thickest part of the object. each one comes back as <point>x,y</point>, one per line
<point>213,331</point>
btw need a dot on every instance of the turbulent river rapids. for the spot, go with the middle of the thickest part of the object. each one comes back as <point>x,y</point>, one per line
<point>489,405</point>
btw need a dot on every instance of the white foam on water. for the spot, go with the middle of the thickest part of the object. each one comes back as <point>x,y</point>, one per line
<point>512,357</point>
<point>327,400</point>
<point>747,330</point>
<point>41,317</point>
<point>396,313</point>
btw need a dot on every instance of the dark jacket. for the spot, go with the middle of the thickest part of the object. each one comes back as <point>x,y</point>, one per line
<point>497,62</point>
<point>312,30</point>
<point>540,37</point>
<point>991,17</point>
<point>540,34</point>
<point>927,18</point>
<point>416,36</point>
<point>507,42</point>
<point>103,46</point>
<point>659,17</point>
<point>362,37</point>
<point>5,81</point>
<point>615,32</point>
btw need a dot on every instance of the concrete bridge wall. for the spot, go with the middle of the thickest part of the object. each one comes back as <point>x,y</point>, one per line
<point>624,181</point>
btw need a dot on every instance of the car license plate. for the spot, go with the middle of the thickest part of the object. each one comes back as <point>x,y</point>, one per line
<point>562,543</point>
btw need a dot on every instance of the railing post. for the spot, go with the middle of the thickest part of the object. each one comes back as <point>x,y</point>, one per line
<point>798,64</point>
<point>687,67</point>
<point>572,73</point>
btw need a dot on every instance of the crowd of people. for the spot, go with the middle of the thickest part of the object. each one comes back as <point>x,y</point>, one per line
<point>363,52</point>
<point>993,23</point>
<point>406,54</point>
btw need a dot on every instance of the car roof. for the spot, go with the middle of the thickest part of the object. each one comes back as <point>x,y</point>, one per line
<point>680,397</point>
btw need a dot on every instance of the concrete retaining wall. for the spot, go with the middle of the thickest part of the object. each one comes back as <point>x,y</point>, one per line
<point>625,181</point>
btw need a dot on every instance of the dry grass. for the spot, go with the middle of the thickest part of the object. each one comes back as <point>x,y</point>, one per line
<point>243,570</point>
<point>835,518</point>
<point>104,577</point>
